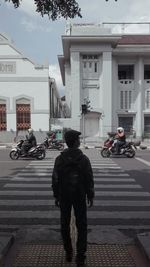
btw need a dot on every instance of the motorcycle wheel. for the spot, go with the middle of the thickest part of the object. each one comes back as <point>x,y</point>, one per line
<point>14,155</point>
<point>61,147</point>
<point>41,155</point>
<point>105,153</point>
<point>130,153</point>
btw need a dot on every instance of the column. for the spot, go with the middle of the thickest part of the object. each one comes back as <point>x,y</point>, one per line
<point>139,89</point>
<point>106,121</point>
<point>75,89</point>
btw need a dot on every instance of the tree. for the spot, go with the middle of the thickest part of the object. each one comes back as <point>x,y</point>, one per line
<point>54,8</point>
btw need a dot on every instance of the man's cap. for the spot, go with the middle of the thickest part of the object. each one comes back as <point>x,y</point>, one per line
<point>72,134</point>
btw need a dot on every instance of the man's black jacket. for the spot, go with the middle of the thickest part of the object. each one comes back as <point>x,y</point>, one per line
<point>71,155</point>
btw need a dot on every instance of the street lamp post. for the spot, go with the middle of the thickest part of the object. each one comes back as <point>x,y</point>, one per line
<point>85,109</point>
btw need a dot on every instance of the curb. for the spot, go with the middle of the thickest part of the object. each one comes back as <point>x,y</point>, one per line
<point>143,241</point>
<point>6,241</point>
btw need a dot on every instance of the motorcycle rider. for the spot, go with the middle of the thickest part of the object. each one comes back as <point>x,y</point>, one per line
<point>120,139</point>
<point>31,142</point>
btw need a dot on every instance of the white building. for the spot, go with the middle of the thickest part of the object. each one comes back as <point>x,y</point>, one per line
<point>113,72</point>
<point>28,97</point>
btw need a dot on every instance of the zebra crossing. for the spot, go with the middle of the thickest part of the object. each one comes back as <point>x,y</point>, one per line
<point>27,198</point>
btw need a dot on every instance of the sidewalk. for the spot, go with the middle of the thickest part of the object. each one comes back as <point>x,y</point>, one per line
<point>42,247</point>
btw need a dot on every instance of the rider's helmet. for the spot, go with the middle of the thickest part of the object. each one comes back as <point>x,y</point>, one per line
<point>30,130</point>
<point>120,130</point>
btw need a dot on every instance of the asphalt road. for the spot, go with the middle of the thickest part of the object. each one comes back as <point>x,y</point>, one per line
<point>122,191</point>
<point>9,167</point>
<point>138,167</point>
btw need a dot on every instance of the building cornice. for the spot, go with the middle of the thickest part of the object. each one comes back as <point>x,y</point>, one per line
<point>68,41</point>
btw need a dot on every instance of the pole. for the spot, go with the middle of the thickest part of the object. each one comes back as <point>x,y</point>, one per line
<point>83,129</point>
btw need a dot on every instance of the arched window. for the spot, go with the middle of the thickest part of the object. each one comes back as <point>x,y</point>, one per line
<point>23,114</point>
<point>3,116</point>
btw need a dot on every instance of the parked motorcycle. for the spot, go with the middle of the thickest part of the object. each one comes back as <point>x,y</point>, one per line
<point>128,149</point>
<point>37,152</point>
<point>53,144</point>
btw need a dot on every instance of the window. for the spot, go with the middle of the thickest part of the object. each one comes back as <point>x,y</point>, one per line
<point>147,124</point>
<point>95,67</point>
<point>126,123</point>
<point>148,99</point>
<point>146,72</point>
<point>125,72</point>
<point>125,99</point>
<point>23,116</point>
<point>3,123</point>
<point>90,66</point>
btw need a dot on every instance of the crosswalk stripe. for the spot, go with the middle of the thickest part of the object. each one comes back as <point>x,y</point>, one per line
<point>91,214</point>
<point>50,193</point>
<point>24,185</point>
<point>106,167</point>
<point>30,214</point>
<point>123,193</point>
<point>35,174</point>
<point>135,203</point>
<point>109,174</point>
<point>100,203</point>
<point>49,179</point>
<point>27,202</point>
<point>119,214</point>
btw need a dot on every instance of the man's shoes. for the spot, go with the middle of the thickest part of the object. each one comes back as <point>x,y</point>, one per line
<point>69,256</point>
<point>80,260</point>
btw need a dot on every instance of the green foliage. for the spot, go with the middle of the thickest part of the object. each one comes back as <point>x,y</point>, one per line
<point>54,8</point>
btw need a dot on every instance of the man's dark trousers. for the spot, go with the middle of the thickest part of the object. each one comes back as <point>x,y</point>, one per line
<point>80,211</point>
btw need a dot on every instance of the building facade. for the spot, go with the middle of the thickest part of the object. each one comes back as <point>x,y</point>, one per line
<point>28,96</point>
<point>112,71</point>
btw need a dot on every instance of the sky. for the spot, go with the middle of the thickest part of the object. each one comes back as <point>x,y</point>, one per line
<point>39,38</point>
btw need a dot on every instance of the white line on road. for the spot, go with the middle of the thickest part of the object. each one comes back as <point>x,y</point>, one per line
<point>50,193</point>
<point>99,203</point>
<point>25,185</point>
<point>96,179</point>
<point>91,214</point>
<point>119,214</point>
<point>144,161</point>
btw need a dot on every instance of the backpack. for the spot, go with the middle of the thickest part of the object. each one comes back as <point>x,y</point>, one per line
<point>71,179</point>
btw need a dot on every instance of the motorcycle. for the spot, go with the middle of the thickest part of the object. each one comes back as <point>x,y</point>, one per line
<point>128,149</point>
<point>37,152</point>
<point>53,144</point>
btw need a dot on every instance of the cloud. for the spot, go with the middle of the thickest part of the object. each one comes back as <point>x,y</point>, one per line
<point>33,25</point>
<point>54,72</point>
<point>28,7</point>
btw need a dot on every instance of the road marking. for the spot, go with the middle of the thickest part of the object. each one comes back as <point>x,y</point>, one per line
<point>122,193</point>
<point>27,202</point>
<point>99,203</point>
<point>118,186</point>
<point>30,214</point>
<point>35,174</point>
<point>26,193</point>
<point>110,174</point>
<point>27,185</point>
<point>50,193</point>
<point>126,203</point>
<point>119,215</point>
<point>91,214</point>
<point>144,161</point>
<point>96,179</point>
<point>24,185</point>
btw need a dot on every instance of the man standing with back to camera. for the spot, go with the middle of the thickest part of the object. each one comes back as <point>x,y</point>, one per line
<point>73,185</point>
